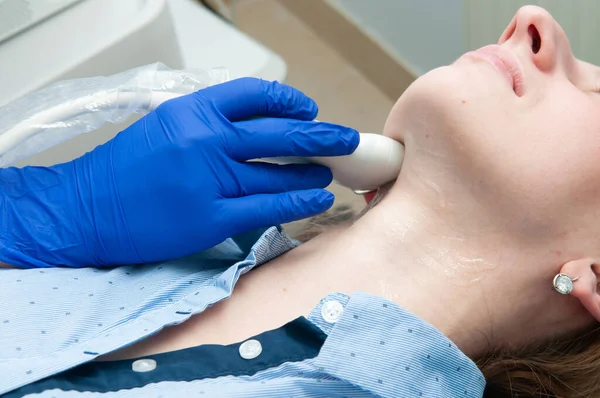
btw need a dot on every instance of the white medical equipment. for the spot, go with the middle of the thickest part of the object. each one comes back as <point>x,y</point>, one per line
<point>44,41</point>
<point>375,162</point>
<point>50,116</point>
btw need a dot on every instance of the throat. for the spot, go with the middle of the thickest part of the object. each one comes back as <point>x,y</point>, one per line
<point>376,255</point>
<point>407,259</point>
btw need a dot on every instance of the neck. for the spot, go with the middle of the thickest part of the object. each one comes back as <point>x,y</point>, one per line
<point>409,255</point>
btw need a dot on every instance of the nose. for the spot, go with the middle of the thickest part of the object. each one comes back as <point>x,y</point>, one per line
<point>542,39</point>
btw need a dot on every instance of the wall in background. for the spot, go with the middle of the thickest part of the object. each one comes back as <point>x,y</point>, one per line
<point>424,34</point>
<point>352,41</point>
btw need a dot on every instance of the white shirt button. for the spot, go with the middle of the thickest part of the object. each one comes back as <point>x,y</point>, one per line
<point>332,311</point>
<point>144,365</point>
<point>250,349</point>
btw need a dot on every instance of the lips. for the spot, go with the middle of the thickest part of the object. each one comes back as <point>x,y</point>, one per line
<point>505,62</point>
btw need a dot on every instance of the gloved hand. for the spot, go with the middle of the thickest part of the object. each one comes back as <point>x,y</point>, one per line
<point>175,182</point>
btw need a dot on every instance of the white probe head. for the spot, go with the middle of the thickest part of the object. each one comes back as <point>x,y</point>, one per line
<point>376,161</point>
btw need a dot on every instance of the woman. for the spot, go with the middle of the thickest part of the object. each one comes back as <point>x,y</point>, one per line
<point>497,195</point>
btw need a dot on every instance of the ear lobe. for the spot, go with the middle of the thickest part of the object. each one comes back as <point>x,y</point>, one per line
<point>585,288</point>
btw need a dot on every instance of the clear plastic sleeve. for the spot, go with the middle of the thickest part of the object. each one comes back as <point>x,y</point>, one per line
<point>44,118</point>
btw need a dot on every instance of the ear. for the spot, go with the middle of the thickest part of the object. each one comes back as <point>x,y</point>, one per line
<point>585,288</point>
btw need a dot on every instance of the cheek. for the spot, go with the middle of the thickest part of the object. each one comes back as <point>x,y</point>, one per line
<point>559,143</point>
<point>545,161</point>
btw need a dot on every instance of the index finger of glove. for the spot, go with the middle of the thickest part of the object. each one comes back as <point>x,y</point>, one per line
<point>263,138</point>
<point>246,98</point>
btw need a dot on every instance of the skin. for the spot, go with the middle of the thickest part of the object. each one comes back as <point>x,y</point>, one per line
<point>514,173</point>
<point>498,193</point>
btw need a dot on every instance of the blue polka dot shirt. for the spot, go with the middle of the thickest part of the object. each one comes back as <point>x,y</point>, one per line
<point>53,320</point>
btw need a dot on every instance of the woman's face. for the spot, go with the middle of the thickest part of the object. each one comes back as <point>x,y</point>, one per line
<point>515,125</point>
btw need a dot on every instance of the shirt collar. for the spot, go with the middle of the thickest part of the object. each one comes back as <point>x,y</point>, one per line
<point>404,355</point>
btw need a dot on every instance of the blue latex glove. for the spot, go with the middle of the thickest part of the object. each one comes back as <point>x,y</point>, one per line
<point>175,182</point>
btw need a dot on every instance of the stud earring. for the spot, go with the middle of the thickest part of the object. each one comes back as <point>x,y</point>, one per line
<point>563,283</point>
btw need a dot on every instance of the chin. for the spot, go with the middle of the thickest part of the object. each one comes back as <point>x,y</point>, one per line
<point>450,101</point>
<point>427,105</point>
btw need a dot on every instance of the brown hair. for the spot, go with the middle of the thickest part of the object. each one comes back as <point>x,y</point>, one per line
<point>565,368</point>
<point>568,367</point>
